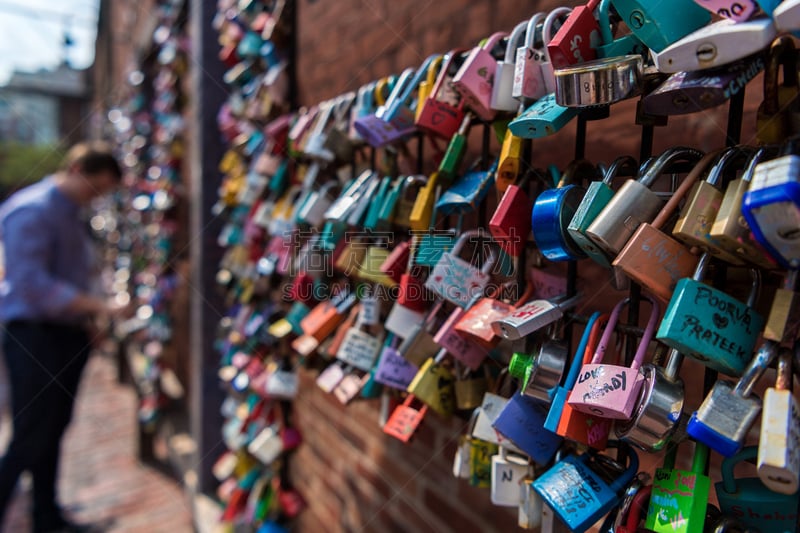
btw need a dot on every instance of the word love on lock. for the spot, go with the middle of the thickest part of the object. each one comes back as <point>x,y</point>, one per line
<point>532,317</point>
<point>654,259</point>
<point>581,427</point>
<point>475,78</point>
<point>706,324</point>
<point>779,440</point>
<point>611,391</point>
<point>580,492</point>
<point>457,280</point>
<point>726,414</point>
<point>508,470</point>
<point>750,502</point>
<point>679,499</point>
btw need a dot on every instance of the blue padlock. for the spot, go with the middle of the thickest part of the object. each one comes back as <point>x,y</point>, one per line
<point>622,46</point>
<point>562,391</point>
<point>752,503</point>
<point>657,23</point>
<point>543,118</point>
<point>554,209</point>
<point>467,193</point>
<point>578,495</point>
<point>522,422</point>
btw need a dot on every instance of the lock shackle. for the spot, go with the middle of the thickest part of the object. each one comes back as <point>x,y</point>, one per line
<point>673,364</point>
<point>755,289</point>
<point>782,53</point>
<point>760,155</point>
<point>757,366</point>
<point>728,464</point>
<point>365,100</point>
<point>638,508</point>
<point>383,87</point>
<point>624,165</point>
<point>785,377</point>
<point>492,41</point>
<point>604,20</point>
<point>728,524</point>
<point>433,70</point>
<point>450,59</point>
<point>322,117</point>
<point>549,23</point>
<point>652,322</point>
<point>530,32</point>
<point>578,171</point>
<point>578,358</point>
<point>667,158</point>
<point>623,479</point>
<point>413,83</point>
<point>517,34</point>
<point>479,233</point>
<point>401,88</point>
<point>683,189</point>
<point>735,157</point>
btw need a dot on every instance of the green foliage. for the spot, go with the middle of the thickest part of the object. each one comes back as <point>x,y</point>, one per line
<point>23,164</point>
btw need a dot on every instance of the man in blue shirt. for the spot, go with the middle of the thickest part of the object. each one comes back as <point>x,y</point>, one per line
<point>45,307</point>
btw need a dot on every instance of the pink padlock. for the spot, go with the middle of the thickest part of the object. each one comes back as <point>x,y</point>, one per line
<point>738,10</point>
<point>475,78</point>
<point>611,391</point>
<point>457,345</point>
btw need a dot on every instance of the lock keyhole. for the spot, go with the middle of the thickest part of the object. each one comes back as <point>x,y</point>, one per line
<point>706,52</point>
<point>636,20</point>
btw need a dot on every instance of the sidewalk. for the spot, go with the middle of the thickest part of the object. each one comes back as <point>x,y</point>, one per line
<point>101,480</point>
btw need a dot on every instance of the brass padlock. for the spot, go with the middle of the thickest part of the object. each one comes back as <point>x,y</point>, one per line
<point>774,120</point>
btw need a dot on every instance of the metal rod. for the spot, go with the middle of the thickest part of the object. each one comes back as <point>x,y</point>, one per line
<point>646,144</point>
<point>735,113</point>
<point>420,152</point>
<point>580,137</point>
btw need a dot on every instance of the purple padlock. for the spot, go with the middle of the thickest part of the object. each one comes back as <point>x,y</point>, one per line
<point>394,370</point>
<point>738,10</point>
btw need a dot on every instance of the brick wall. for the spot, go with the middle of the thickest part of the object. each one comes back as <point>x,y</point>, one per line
<point>350,472</point>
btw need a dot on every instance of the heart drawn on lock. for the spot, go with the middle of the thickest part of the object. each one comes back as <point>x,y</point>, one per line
<point>437,118</point>
<point>720,321</point>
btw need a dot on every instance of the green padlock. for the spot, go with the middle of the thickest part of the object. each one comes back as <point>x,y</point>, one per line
<point>448,168</point>
<point>679,498</point>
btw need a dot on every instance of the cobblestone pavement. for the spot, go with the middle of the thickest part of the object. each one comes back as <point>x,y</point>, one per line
<point>101,480</point>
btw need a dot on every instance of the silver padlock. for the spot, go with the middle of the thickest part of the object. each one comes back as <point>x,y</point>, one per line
<point>787,16</point>
<point>531,317</point>
<point>599,82</point>
<point>315,146</point>
<point>725,417</point>
<point>717,44</point>
<point>528,81</point>
<point>659,409</point>
<point>507,472</point>
<point>530,505</point>
<point>502,99</point>
<point>547,367</point>
<point>343,206</point>
<point>779,440</point>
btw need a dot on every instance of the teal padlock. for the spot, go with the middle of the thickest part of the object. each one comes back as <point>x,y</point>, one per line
<point>710,326</point>
<point>386,213</point>
<point>467,193</point>
<point>657,23</point>
<point>373,214</point>
<point>622,46</point>
<point>296,313</point>
<point>679,499</point>
<point>543,118</point>
<point>749,501</point>
<point>596,198</point>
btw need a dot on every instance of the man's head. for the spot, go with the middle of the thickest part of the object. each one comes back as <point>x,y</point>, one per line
<point>92,168</point>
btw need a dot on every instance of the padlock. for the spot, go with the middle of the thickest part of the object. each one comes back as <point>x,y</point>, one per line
<point>786,15</point>
<point>577,39</point>
<point>597,196</point>
<point>401,320</point>
<point>456,148</point>
<point>654,259</point>
<point>783,320</point>
<point>772,208</point>
<point>443,110</point>
<point>533,316</point>
<point>314,147</point>
<point>629,520</point>
<point>475,78</point>
<point>337,141</point>
<point>529,81</point>
<point>459,346</point>
<point>728,411</point>
<point>710,326</point>
<point>507,472</point>
<point>405,419</point>
<point>370,268</point>
<point>599,82</point>
<point>359,348</point>
<point>659,409</point>
<point>679,498</point>
<point>750,502</point>
<point>609,46</point>
<point>738,10</point>
<point>323,319</point>
<point>393,369</point>
<point>421,216</point>
<point>529,514</point>
<point>774,122</point>
<point>363,106</point>
<point>702,205</point>
<point>312,211</point>
<point>717,44</point>
<point>467,193</point>
<point>554,208</point>
<point>350,386</point>
<point>657,24</point>
<point>434,385</point>
<point>545,369</point>
<point>611,391</point>
<point>461,466</point>
<point>779,439</point>
<point>634,204</point>
<point>543,118</point>
<point>587,429</point>
<point>426,86</point>
<point>469,391</point>
<point>730,231</point>
<point>578,494</point>
<point>476,322</point>
<point>522,422</point>
<point>455,279</point>
<point>502,88</point>
<point>508,165</point>
<point>480,463</point>
<point>510,224</point>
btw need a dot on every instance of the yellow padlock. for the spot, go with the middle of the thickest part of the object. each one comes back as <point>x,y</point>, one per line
<point>422,212</point>
<point>426,86</point>
<point>509,163</point>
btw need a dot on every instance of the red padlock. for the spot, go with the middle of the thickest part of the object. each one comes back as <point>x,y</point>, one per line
<point>577,38</point>
<point>476,323</point>
<point>396,263</point>
<point>511,222</point>
<point>443,110</point>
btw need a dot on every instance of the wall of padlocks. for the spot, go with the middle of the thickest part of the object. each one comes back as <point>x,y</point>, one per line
<point>407,287</point>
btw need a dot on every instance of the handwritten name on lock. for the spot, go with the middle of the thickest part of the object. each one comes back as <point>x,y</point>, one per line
<point>576,488</point>
<point>459,280</point>
<point>605,382</point>
<point>684,483</point>
<point>726,316</point>
<point>658,251</point>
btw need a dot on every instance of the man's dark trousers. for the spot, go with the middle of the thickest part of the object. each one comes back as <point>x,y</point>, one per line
<point>44,362</point>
